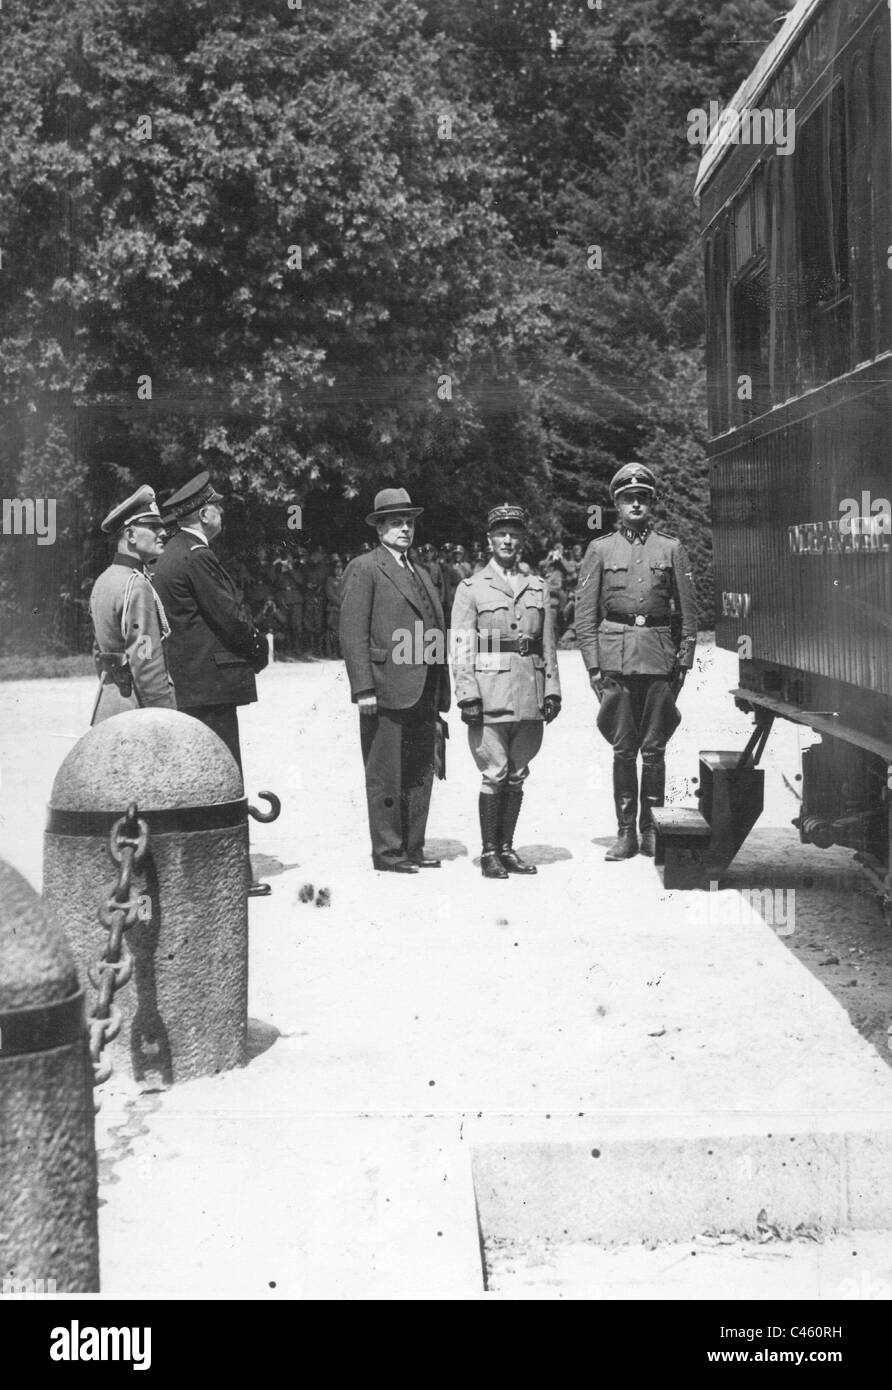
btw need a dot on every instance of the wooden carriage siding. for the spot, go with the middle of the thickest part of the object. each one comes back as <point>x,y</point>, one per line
<point>797,254</point>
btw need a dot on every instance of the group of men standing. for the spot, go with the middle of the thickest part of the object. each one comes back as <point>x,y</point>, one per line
<point>177,637</point>
<point>633,586</point>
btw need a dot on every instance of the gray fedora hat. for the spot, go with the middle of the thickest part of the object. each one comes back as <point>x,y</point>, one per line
<point>390,501</point>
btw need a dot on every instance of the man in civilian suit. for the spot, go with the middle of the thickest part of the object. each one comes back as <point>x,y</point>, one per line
<point>398,682</point>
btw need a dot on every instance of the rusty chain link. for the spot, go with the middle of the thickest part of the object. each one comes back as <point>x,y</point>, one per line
<point>119,909</point>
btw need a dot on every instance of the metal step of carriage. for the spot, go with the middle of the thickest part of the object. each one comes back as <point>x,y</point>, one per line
<point>695,845</point>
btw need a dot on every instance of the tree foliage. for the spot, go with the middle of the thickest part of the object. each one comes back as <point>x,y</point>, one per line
<point>319,249</point>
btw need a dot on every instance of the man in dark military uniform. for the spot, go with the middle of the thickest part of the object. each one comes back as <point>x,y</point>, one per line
<point>631,585</point>
<point>506,682</point>
<point>129,621</point>
<point>398,682</point>
<point>214,650</point>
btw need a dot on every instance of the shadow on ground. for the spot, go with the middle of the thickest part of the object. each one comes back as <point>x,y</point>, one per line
<point>261,1037</point>
<point>267,866</point>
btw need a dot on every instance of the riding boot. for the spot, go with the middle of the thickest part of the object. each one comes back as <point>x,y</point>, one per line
<point>653,793</point>
<point>625,796</point>
<point>490,807</point>
<point>511,803</point>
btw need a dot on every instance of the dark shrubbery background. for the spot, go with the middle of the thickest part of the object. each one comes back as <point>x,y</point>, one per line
<point>130,252</point>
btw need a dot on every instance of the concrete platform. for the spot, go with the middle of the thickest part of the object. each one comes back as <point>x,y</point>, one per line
<point>423,1036</point>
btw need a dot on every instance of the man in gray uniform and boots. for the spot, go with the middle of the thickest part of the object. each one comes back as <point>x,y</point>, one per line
<point>506,681</point>
<point>631,586</point>
<point>128,618</point>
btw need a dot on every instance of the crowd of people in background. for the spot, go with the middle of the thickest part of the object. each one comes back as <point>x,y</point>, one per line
<point>294,591</point>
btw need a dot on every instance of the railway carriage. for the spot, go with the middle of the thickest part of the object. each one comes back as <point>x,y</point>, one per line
<point>797,242</point>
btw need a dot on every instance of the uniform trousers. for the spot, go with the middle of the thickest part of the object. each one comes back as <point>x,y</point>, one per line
<point>223,720</point>
<point>503,752</point>
<point>637,713</point>
<point>398,753</point>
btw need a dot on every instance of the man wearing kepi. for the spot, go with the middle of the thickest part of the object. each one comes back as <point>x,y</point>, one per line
<point>506,682</point>
<point>394,645</point>
<point>129,621</point>
<point>631,585</point>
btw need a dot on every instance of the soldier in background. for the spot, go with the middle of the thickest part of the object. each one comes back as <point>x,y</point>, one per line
<point>427,556</point>
<point>506,682</point>
<point>628,587</point>
<point>290,600</point>
<point>129,621</point>
<point>334,592</point>
<point>316,572</point>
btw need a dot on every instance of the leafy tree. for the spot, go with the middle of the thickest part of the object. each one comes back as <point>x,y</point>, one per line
<point>316,250</point>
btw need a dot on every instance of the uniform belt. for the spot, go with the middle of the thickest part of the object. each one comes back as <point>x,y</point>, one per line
<point>637,620</point>
<point>524,646</point>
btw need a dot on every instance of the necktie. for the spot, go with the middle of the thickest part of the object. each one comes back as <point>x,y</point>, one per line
<point>415,581</point>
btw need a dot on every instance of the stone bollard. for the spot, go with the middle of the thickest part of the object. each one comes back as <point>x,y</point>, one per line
<point>49,1240</point>
<point>185,1008</point>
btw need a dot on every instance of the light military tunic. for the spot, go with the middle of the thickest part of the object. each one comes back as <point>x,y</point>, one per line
<point>510,685</point>
<point>129,622</point>
<point>630,578</point>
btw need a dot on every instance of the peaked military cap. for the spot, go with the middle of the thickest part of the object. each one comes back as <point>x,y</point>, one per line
<point>141,507</point>
<point>506,511</point>
<point>391,501</point>
<point>632,475</point>
<point>191,496</point>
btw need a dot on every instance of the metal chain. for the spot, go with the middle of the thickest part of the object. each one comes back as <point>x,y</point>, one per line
<point>119,909</point>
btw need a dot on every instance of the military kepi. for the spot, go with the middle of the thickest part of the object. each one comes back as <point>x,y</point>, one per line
<point>140,508</point>
<point>506,511</point>
<point>197,493</point>
<point>632,475</point>
<point>392,501</point>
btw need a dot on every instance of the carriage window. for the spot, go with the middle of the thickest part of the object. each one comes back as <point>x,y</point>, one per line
<point>750,310</point>
<point>751,330</point>
<point>821,176</point>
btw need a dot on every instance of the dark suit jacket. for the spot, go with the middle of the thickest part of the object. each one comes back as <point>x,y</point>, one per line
<point>211,642</point>
<point>379,604</point>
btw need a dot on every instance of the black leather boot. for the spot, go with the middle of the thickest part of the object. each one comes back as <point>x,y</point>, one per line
<point>490,814</point>
<point>511,804</point>
<point>625,796</point>
<point>653,793</point>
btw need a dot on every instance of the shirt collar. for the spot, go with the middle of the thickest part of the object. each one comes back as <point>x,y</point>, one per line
<point>635,535</point>
<point>192,532</point>
<point>131,561</point>
<point>399,555</point>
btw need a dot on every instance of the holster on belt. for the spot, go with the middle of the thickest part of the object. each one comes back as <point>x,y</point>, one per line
<point>116,667</point>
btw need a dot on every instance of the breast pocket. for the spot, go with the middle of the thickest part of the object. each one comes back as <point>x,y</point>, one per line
<point>492,623</point>
<point>615,578</point>
<point>661,577</point>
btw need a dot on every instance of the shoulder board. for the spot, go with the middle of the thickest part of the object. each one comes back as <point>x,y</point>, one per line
<point>665,535</point>
<point>199,546</point>
<point>466,583</point>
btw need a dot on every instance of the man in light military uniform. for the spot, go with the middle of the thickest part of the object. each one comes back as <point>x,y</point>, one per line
<point>129,621</point>
<point>506,680</point>
<point>631,585</point>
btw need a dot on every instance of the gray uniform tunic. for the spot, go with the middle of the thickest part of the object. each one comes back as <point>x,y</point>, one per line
<point>511,686</point>
<point>629,579</point>
<point>129,623</point>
